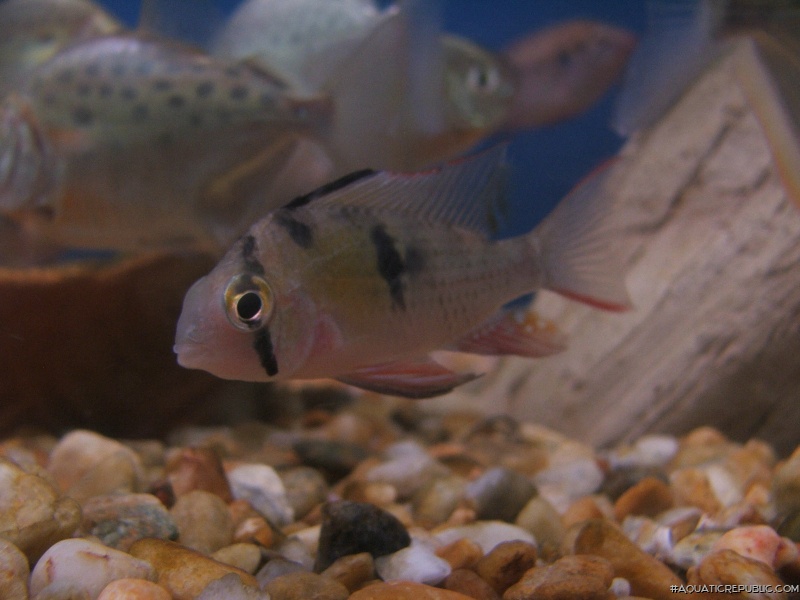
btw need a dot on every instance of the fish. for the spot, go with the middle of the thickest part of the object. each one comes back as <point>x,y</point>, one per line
<point>130,141</point>
<point>360,280</point>
<point>563,70</point>
<point>471,91</point>
<point>763,39</point>
<point>33,31</point>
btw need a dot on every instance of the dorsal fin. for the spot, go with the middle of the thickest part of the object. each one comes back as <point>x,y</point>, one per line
<point>193,21</point>
<point>466,193</point>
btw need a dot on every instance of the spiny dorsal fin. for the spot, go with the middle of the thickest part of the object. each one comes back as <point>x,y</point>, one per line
<point>465,193</point>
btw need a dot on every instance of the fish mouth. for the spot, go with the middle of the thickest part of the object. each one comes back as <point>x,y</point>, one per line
<point>193,330</point>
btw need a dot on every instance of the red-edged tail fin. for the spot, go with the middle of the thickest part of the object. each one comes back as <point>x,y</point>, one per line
<point>577,246</point>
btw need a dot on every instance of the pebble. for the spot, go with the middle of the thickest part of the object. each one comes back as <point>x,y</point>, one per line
<point>182,571</point>
<point>759,542</point>
<point>506,564</point>
<point>353,570</point>
<point>119,520</point>
<point>648,497</point>
<point>14,572</point>
<point>33,514</point>
<point>417,562</point>
<point>303,585</point>
<point>190,469</point>
<point>408,469</point>
<point>405,590</point>
<point>727,567</point>
<point>246,557</point>
<point>133,589</point>
<point>203,521</point>
<point>86,567</point>
<point>469,583</point>
<point>276,567</point>
<point>462,553</point>
<point>786,485</point>
<point>486,534</point>
<point>87,464</point>
<point>305,488</point>
<point>693,548</point>
<point>648,576</point>
<point>543,521</point>
<point>334,459</point>
<point>571,577</point>
<point>231,587</point>
<point>435,501</point>
<point>353,527</point>
<point>500,494</point>
<point>261,486</point>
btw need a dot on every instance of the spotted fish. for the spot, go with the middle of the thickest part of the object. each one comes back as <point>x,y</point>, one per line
<point>33,31</point>
<point>362,279</point>
<point>128,141</point>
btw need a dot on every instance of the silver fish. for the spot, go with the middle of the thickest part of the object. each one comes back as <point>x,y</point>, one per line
<point>33,31</point>
<point>362,279</point>
<point>129,141</point>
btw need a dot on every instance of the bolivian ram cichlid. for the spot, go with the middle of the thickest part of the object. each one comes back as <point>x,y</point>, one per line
<point>33,31</point>
<point>127,141</point>
<point>469,92</point>
<point>762,37</point>
<point>362,279</point>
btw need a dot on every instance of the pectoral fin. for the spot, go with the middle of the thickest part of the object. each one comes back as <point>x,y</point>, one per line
<point>519,332</point>
<point>421,378</point>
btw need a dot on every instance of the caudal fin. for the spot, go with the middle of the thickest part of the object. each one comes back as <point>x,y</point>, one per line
<point>577,247</point>
<point>388,90</point>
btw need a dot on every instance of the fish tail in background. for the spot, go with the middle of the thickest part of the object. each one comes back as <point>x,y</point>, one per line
<point>679,44</point>
<point>28,165</point>
<point>768,71</point>
<point>400,64</point>
<point>576,247</point>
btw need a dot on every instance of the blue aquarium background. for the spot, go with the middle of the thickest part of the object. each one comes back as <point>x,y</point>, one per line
<point>547,162</point>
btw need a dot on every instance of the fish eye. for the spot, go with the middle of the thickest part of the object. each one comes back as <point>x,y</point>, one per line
<point>482,79</point>
<point>249,302</point>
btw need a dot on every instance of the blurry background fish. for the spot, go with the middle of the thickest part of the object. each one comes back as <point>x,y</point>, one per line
<point>549,159</point>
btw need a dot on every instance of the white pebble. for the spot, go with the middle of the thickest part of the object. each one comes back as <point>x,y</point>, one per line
<point>86,566</point>
<point>261,486</point>
<point>416,563</point>
<point>487,534</point>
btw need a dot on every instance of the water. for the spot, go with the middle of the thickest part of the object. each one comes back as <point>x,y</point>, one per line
<point>548,162</point>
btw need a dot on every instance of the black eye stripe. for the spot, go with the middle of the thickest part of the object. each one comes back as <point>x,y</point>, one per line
<point>266,353</point>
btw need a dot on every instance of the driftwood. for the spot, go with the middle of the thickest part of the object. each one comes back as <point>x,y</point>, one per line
<point>713,247</point>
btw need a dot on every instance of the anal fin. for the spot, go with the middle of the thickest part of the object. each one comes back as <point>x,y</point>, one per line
<point>520,332</point>
<point>422,378</point>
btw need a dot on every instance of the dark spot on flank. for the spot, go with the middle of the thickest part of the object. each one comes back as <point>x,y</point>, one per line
<point>249,249</point>
<point>140,112</point>
<point>176,101</point>
<point>165,139</point>
<point>239,92</point>
<point>204,89</point>
<point>195,119</point>
<point>233,71</point>
<point>128,93</point>
<point>328,188</point>
<point>92,70</point>
<point>391,265</point>
<point>82,115</point>
<point>118,69</point>
<point>162,85</point>
<point>83,89</point>
<point>105,90</point>
<point>300,232</point>
<point>50,99</point>
<point>145,68</point>
<point>265,351</point>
